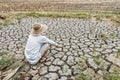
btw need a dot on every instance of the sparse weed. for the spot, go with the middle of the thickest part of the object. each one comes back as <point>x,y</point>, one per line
<point>7,22</point>
<point>112,35</point>
<point>103,37</point>
<point>97,59</point>
<point>82,76</point>
<point>118,54</point>
<point>114,76</point>
<point>111,76</point>
<point>6,61</point>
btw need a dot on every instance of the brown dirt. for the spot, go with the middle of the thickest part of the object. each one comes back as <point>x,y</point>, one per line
<point>58,6</point>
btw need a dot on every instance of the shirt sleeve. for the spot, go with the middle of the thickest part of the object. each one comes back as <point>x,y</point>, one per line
<point>46,40</point>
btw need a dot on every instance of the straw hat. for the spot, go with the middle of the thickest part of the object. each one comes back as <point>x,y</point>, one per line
<point>38,28</point>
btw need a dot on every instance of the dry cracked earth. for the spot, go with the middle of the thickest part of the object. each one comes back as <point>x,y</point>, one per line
<point>88,47</point>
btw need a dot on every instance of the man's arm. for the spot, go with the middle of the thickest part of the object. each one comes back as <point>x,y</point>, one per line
<point>46,40</point>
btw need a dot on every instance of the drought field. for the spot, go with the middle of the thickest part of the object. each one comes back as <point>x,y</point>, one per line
<point>90,50</point>
<point>89,33</point>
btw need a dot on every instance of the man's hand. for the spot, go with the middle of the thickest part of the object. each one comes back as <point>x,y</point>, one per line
<point>58,46</point>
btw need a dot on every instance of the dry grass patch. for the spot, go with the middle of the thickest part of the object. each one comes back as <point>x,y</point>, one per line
<point>111,16</point>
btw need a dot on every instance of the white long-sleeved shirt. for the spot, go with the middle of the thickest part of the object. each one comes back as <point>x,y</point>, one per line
<point>32,49</point>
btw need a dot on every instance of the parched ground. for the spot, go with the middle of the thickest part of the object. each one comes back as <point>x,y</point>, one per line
<point>88,47</point>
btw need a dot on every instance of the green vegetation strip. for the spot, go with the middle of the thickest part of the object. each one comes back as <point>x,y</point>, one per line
<point>54,14</point>
<point>115,16</point>
<point>69,14</point>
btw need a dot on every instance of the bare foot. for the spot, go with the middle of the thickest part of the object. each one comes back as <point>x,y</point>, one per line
<point>43,59</point>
